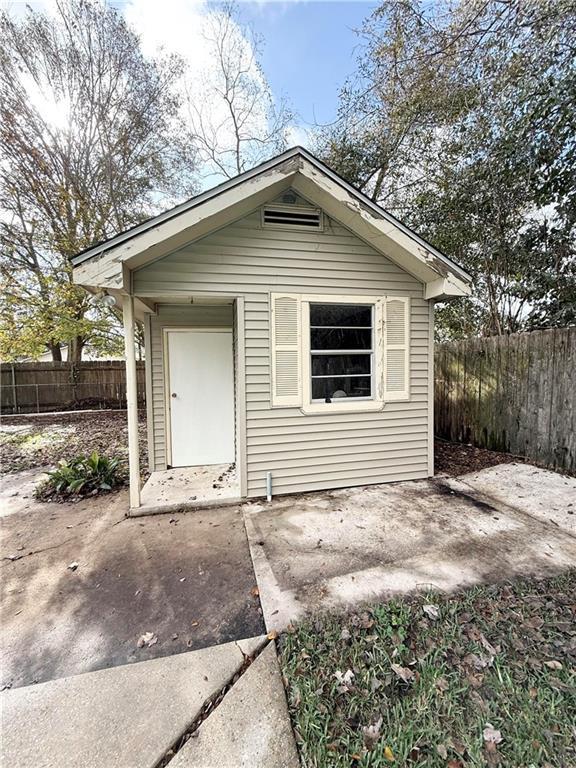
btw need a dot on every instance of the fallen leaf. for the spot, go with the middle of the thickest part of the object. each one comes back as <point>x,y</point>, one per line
<point>432,611</point>
<point>73,566</point>
<point>490,734</point>
<point>389,755</point>
<point>442,751</point>
<point>442,684</point>
<point>553,664</point>
<point>345,634</point>
<point>255,592</point>
<point>272,635</point>
<point>404,673</point>
<point>148,638</point>
<point>344,677</point>
<point>372,733</point>
<point>534,623</point>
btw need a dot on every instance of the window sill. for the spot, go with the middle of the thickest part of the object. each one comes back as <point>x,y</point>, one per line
<point>363,406</point>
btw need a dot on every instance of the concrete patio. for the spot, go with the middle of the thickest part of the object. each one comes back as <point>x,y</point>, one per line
<point>335,549</point>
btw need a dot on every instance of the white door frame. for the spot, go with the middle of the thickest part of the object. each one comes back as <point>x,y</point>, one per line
<point>167,390</point>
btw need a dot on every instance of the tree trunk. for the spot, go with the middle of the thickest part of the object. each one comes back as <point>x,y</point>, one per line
<point>56,353</point>
<point>75,347</point>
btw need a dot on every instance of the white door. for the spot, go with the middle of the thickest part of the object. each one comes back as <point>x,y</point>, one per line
<point>201,397</point>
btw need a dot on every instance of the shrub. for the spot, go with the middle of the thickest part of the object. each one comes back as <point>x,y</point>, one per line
<point>82,476</point>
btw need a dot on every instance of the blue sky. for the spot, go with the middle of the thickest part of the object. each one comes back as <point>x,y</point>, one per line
<point>309,50</point>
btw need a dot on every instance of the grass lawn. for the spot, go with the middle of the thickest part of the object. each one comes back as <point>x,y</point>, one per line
<point>484,677</point>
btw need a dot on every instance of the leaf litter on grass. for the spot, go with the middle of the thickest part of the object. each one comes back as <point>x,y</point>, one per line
<point>487,681</point>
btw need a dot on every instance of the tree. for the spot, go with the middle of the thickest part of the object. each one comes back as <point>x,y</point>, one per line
<point>91,144</point>
<point>462,121</point>
<point>235,120</point>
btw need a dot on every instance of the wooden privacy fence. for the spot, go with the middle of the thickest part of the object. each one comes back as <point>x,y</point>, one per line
<point>37,387</point>
<point>512,393</point>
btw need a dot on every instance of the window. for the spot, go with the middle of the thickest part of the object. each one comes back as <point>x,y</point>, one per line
<point>341,351</point>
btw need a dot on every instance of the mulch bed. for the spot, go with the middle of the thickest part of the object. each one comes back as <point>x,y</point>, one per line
<point>455,459</point>
<point>45,440</point>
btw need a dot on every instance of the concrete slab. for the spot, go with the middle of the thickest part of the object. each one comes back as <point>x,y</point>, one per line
<point>128,716</point>
<point>547,495</point>
<point>250,728</point>
<point>186,577</point>
<point>340,548</point>
<point>17,490</point>
<point>189,488</point>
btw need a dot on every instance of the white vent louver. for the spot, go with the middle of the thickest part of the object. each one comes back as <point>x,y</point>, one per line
<point>292,216</point>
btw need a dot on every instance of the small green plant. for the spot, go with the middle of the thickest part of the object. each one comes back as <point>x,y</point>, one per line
<point>82,476</point>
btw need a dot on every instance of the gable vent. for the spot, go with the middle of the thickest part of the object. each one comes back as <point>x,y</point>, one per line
<point>293,217</point>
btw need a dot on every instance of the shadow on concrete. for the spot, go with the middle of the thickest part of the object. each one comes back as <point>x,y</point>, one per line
<point>187,578</point>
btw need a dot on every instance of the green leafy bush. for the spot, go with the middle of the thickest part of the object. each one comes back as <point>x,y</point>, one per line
<point>83,476</point>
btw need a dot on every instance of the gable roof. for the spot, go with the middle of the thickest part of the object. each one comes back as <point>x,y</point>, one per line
<point>104,264</point>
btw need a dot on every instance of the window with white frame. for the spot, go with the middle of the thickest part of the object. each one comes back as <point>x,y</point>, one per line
<point>341,351</point>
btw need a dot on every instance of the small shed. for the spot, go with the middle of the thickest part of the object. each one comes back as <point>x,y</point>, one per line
<point>288,325</point>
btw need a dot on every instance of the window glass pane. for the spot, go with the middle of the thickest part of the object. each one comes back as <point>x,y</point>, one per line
<point>341,387</point>
<point>339,365</point>
<point>340,338</point>
<point>341,314</point>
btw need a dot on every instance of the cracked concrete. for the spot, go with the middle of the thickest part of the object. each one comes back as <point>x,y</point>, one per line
<point>126,716</point>
<point>341,548</point>
<point>250,728</point>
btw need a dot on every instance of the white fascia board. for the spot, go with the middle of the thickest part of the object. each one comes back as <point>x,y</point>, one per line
<point>105,269</point>
<point>419,260</point>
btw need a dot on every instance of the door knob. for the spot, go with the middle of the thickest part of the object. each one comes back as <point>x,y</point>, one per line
<point>173,394</point>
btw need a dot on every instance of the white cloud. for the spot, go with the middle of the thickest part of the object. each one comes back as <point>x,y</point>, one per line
<point>188,30</point>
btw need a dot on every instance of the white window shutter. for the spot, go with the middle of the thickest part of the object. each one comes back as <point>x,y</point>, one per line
<point>286,341</point>
<point>396,348</point>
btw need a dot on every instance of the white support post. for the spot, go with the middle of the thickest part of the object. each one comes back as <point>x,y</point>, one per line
<point>131,401</point>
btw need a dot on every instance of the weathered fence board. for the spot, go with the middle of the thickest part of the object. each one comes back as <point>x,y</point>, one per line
<point>36,387</point>
<point>512,393</point>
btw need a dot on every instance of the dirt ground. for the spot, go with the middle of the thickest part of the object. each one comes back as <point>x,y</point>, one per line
<point>37,440</point>
<point>185,578</point>
<point>456,459</point>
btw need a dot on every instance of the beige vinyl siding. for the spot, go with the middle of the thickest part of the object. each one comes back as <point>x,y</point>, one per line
<point>305,452</point>
<point>173,317</point>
